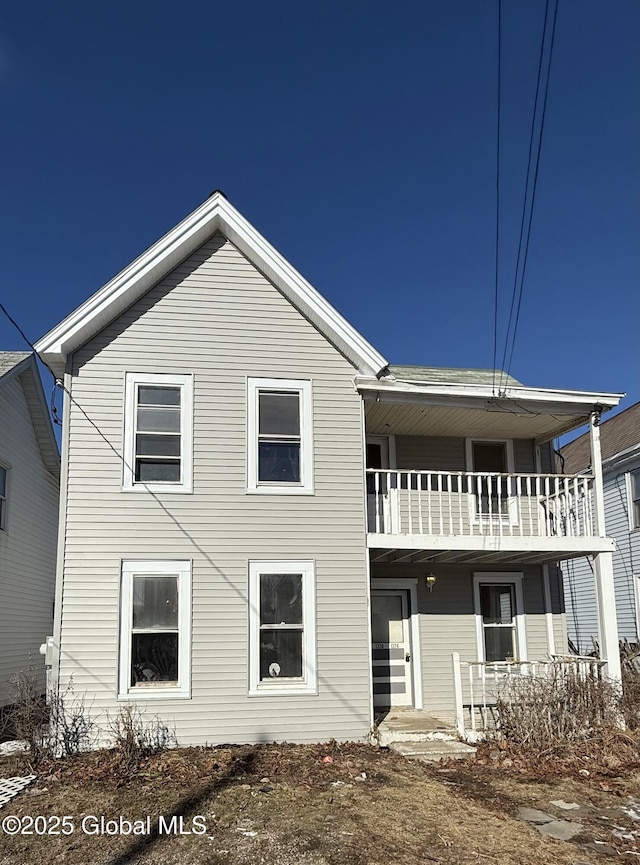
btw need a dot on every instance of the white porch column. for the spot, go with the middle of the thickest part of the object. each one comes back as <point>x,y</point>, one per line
<point>603,566</point>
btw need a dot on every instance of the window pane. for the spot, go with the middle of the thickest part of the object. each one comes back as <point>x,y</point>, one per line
<point>386,619</point>
<point>499,644</point>
<point>279,461</point>
<point>635,485</point>
<point>154,658</point>
<point>280,655</point>
<point>167,471</point>
<point>280,599</point>
<point>3,482</point>
<point>158,395</point>
<point>489,457</point>
<point>158,445</point>
<point>158,419</point>
<point>279,414</point>
<point>496,603</point>
<point>155,602</point>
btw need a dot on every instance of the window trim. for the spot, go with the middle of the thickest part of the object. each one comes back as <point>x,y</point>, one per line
<point>489,578</point>
<point>631,511</point>
<point>185,382</point>
<point>303,388</point>
<point>279,687</point>
<point>4,499</point>
<point>129,569</point>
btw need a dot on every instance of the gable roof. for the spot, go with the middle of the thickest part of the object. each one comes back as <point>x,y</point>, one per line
<point>22,365</point>
<point>215,214</point>
<point>617,435</point>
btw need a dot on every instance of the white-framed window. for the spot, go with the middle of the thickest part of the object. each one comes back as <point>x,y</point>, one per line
<point>158,432</point>
<point>282,631</point>
<point>499,613</point>
<point>155,630</point>
<point>4,483</point>
<point>492,494</point>
<point>279,436</point>
<point>634,499</point>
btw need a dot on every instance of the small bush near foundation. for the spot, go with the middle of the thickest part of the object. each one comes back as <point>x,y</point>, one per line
<point>564,706</point>
<point>135,738</point>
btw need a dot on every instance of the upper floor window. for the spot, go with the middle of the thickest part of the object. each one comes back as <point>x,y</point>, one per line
<point>635,499</point>
<point>280,438</point>
<point>158,432</point>
<point>3,497</point>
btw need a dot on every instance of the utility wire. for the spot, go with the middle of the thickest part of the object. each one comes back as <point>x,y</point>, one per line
<point>497,251</point>
<point>529,196</point>
<point>535,184</point>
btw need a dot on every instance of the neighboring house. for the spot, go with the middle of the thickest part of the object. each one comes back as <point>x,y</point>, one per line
<point>29,486</point>
<point>254,505</point>
<point>620,438</point>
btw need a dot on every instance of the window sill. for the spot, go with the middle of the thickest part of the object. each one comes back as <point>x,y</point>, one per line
<point>155,694</point>
<point>280,491</point>
<point>158,488</point>
<point>303,691</point>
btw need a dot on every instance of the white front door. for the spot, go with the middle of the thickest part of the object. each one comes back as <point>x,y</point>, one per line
<point>377,486</point>
<point>391,648</point>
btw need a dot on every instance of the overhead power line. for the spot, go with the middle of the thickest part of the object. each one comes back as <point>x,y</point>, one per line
<point>497,251</point>
<point>531,185</point>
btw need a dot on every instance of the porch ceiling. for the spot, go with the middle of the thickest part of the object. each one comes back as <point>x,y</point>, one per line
<point>500,420</point>
<point>466,557</point>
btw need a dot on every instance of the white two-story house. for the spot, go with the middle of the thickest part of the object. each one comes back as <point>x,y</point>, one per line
<point>267,532</point>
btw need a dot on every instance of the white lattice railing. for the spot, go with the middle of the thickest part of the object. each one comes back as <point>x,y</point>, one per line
<point>476,504</point>
<point>477,685</point>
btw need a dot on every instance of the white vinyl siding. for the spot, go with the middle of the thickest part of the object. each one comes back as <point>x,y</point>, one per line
<point>279,436</point>
<point>27,544</point>
<point>158,432</point>
<point>282,633</point>
<point>222,321</point>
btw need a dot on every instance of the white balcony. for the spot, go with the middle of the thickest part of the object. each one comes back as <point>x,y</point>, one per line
<point>543,515</point>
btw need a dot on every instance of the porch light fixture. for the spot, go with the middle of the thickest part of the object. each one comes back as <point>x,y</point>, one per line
<point>431,581</point>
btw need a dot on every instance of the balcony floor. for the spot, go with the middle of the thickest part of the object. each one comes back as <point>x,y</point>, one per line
<point>487,549</point>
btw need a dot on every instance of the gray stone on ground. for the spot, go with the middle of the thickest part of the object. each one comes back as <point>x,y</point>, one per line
<point>566,806</point>
<point>532,815</point>
<point>562,830</point>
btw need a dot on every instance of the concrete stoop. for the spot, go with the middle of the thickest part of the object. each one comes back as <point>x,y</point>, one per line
<point>432,751</point>
<point>418,736</point>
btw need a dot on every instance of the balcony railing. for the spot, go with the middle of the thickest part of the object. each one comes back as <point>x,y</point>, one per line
<point>478,685</point>
<point>479,503</point>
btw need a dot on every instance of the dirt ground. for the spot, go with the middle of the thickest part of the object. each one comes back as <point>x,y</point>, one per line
<point>311,805</point>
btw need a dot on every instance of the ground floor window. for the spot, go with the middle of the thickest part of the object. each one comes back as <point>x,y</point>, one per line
<point>282,627</point>
<point>499,613</point>
<point>155,618</point>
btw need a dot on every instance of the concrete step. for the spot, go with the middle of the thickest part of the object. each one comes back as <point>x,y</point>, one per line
<point>413,726</point>
<point>431,751</point>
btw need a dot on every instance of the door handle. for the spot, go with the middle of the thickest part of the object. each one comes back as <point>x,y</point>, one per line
<point>407,657</point>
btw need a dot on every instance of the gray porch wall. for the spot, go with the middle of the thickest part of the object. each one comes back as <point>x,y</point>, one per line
<point>447,622</point>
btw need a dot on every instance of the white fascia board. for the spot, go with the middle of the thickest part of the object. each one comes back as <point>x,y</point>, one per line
<point>215,214</point>
<point>470,395</point>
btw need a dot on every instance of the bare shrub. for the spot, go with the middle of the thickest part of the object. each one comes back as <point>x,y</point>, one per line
<point>564,705</point>
<point>28,716</point>
<point>70,727</point>
<point>60,727</point>
<point>135,738</point>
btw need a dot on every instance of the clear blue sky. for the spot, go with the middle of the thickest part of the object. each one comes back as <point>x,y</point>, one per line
<point>360,138</point>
